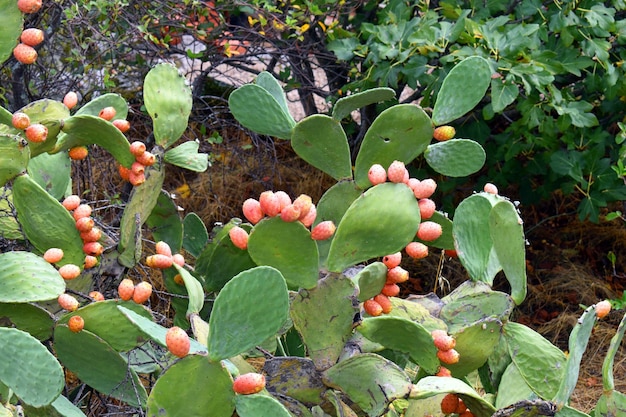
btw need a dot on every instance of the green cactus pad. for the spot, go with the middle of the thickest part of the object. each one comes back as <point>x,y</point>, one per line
<point>168,99</point>
<point>475,344</point>
<point>52,173</point>
<point>460,312</point>
<point>370,280</point>
<point>35,385</point>
<point>12,23</point>
<point>105,320</point>
<point>60,407</point>
<point>507,234</point>
<point>97,364</point>
<point>187,156</point>
<point>27,317</point>
<point>369,380</point>
<point>455,157</point>
<point>404,336</point>
<point>45,222</point>
<point>454,98</point>
<point>381,221</point>
<point>541,364</point>
<point>446,240</point>
<point>512,388</point>
<point>612,403</point>
<point>272,86</point>
<point>346,105</point>
<point>14,156</point>
<point>50,113</point>
<point>333,303</point>
<point>257,109</point>
<point>6,119</point>
<point>416,312</point>
<point>259,405</point>
<point>86,129</point>
<point>321,141</point>
<point>287,247</point>
<point>194,290</point>
<point>105,100</point>
<point>251,308</point>
<point>198,376</point>
<point>195,235</point>
<point>433,385</point>
<point>165,223</point>
<point>401,132</point>
<point>9,228</point>
<point>294,377</point>
<point>608,381</point>
<point>142,201</point>
<point>25,277</point>
<point>341,408</point>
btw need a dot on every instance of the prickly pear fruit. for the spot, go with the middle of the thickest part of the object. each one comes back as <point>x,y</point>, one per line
<point>32,36</point>
<point>372,308</point>
<point>323,230</point>
<point>163,248</point>
<point>29,6</point>
<point>70,100</point>
<point>83,210</point>
<point>84,224</point>
<point>71,202</point>
<point>78,153</point>
<point>69,271</point>
<point>53,255</point>
<point>442,340</point>
<point>136,179</point>
<point>603,308</point>
<point>25,54</point>
<point>448,356</point>
<point>123,125</point>
<point>443,133</point>
<point>96,295</point>
<point>178,259</point>
<point>239,237</point>
<point>107,113</point>
<point>449,403</point>
<point>137,148</point>
<point>159,261</point>
<point>92,235</point>
<point>36,133</point>
<point>137,168</point>
<point>308,220</point>
<point>93,248</point>
<point>303,203</point>
<point>443,372</point>
<point>146,159</point>
<point>416,250</point>
<point>252,210</point>
<point>427,208</point>
<point>490,188</point>
<point>270,204</point>
<point>177,342</point>
<point>397,275</point>
<point>393,260</point>
<point>385,303</point>
<point>20,120</point>
<point>377,174</point>
<point>461,409</point>
<point>250,383</point>
<point>124,172</point>
<point>290,213</point>
<point>283,198</point>
<point>396,171</point>
<point>429,231</point>
<point>425,188</point>
<point>76,323</point>
<point>390,290</point>
<point>68,302</point>
<point>90,262</point>
<point>126,289</point>
<point>142,292</point>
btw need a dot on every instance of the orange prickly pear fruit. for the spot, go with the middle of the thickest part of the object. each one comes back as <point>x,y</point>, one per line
<point>70,100</point>
<point>250,383</point>
<point>126,289</point>
<point>443,133</point>
<point>76,324</point>
<point>177,342</point>
<point>20,120</point>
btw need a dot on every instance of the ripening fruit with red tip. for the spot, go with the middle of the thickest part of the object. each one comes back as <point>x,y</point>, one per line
<point>390,290</point>
<point>416,250</point>
<point>122,125</point>
<point>397,275</point>
<point>249,383</point>
<point>69,271</point>
<point>372,308</point>
<point>29,6</point>
<point>323,230</point>
<point>309,219</point>
<point>270,204</point>
<point>290,213</point>
<point>147,159</point>
<point>137,148</point>
<point>490,188</point>
<point>71,202</point>
<point>96,296</point>
<point>126,289</point>
<point>442,340</point>
<point>443,133</point>
<point>397,172</point>
<point>239,237</point>
<point>393,260</point>
<point>303,203</point>
<point>70,100</point>
<point>90,262</point>
<point>429,231</point>
<point>427,208</point>
<point>84,224</point>
<point>83,210</point>
<point>159,261</point>
<point>603,308</point>
<point>25,54</point>
<point>36,133</point>
<point>385,303</point>
<point>377,174</point>
<point>32,36</point>
<point>107,113</point>
<point>93,248</point>
<point>20,120</point>
<point>283,198</point>
<point>425,188</point>
<point>53,255</point>
<point>76,324</point>
<point>68,302</point>
<point>449,403</point>
<point>142,292</point>
<point>448,356</point>
<point>252,210</point>
<point>178,259</point>
<point>177,341</point>
<point>163,248</point>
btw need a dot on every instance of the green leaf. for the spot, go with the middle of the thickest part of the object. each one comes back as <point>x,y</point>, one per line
<point>186,156</point>
<point>503,93</point>
<point>455,157</point>
<point>346,105</point>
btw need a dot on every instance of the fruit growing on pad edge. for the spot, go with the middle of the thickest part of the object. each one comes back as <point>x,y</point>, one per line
<point>177,342</point>
<point>250,383</point>
<point>76,323</point>
<point>603,308</point>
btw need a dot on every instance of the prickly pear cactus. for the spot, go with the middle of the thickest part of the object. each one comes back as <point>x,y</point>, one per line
<point>11,21</point>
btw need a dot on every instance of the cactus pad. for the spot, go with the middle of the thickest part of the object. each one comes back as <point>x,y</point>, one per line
<point>187,156</point>
<point>25,277</point>
<point>259,405</point>
<point>195,235</point>
<point>294,377</point>
<point>14,156</point>
<point>12,23</point>
<point>346,105</point>
<point>455,157</point>
<point>433,385</point>
<point>31,318</point>
<point>52,172</point>
<point>106,100</point>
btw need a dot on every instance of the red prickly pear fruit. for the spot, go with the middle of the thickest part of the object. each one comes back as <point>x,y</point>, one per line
<point>25,54</point>
<point>385,303</point>
<point>142,292</point>
<point>443,372</point>
<point>71,202</point>
<point>323,230</point>
<point>147,159</point>
<point>178,259</point>
<point>96,296</point>
<point>177,341</point>
<point>270,204</point>
<point>68,302</point>
<point>397,275</point>
<point>93,248</point>
<point>443,133</point>
<point>136,179</point>
<point>451,253</point>
<point>252,210</point>
<point>32,36</point>
<point>122,125</point>
<point>107,113</point>
<point>69,271</point>
<point>36,133</point>
<point>603,308</point>
<point>416,250</point>
<point>126,289</point>
<point>163,248</point>
<point>290,213</point>
<point>412,183</point>
<point>124,172</point>
<point>76,324</point>
<point>83,210</point>
<point>303,203</point>
<point>90,262</point>
<point>449,403</point>
<point>29,6</point>
<point>372,308</point>
<point>159,261</point>
<point>442,340</point>
<point>448,356</point>
<point>20,120</point>
<point>377,174</point>
<point>425,188</point>
<point>239,237</point>
<point>393,260</point>
<point>427,208</point>
<point>84,224</point>
<point>490,188</point>
<point>53,255</point>
<point>137,148</point>
<point>429,231</point>
<point>309,219</point>
<point>137,168</point>
<point>70,100</point>
<point>92,235</point>
<point>461,409</point>
<point>283,198</point>
<point>250,383</point>
<point>390,290</point>
<point>396,172</point>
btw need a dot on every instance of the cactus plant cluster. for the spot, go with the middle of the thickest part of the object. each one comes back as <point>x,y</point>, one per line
<point>278,285</point>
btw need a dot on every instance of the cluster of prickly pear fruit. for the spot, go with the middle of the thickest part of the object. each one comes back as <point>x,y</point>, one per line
<point>143,158</point>
<point>452,404</point>
<point>164,258</point>
<point>24,52</point>
<point>139,293</point>
<point>445,347</point>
